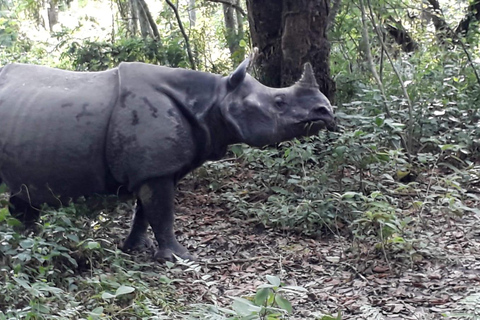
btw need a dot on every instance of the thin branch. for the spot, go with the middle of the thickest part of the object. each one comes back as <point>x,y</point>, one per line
<point>441,24</point>
<point>238,8</point>
<point>185,36</point>
<point>375,74</point>
<point>245,260</point>
<point>404,88</point>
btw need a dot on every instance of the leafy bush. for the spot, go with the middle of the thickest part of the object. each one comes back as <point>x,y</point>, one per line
<point>97,56</point>
<point>69,270</point>
<point>269,303</point>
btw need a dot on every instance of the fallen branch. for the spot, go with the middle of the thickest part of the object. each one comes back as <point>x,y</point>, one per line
<point>244,260</point>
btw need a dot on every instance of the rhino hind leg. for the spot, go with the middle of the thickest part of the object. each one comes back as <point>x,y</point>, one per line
<point>157,200</point>
<point>23,211</point>
<point>138,238</point>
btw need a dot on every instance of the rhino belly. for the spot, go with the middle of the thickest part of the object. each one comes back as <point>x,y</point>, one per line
<point>52,131</point>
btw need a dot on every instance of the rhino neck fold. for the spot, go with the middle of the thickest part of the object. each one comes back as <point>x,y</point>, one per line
<point>202,110</point>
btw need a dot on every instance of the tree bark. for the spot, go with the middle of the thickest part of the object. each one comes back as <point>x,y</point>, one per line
<point>133,22</point>
<point>150,20</point>
<point>52,11</point>
<point>233,21</point>
<point>288,34</point>
<point>240,30</point>
<point>229,21</point>
<point>192,13</point>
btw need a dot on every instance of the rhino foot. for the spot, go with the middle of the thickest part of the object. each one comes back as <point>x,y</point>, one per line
<point>170,254</point>
<point>139,243</point>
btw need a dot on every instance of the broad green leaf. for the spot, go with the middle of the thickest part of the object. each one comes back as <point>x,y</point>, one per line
<point>93,245</point>
<point>245,307</point>
<point>26,244</point>
<point>262,295</point>
<point>22,282</point>
<point>379,121</point>
<point>12,222</point>
<point>24,257</point>
<point>274,280</point>
<point>283,303</point>
<point>97,312</point>
<point>124,290</point>
<point>237,149</point>
<point>4,214</point>
<point>73,237</point>
<point>349,195</point>
<point>107,296</point>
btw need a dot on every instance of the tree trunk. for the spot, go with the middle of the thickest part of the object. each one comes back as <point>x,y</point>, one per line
<point>192,13</point>
<point>52,11</point>
<point>133,22</point>
<point>229,21</point>
<point>240,30</point>
<point>233,20</point>
<point>288,34</point>
<point>151,22</point>
<point>142,20</point>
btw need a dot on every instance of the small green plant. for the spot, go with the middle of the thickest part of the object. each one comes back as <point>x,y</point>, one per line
<point>68,269</point>
<point>269,303</point>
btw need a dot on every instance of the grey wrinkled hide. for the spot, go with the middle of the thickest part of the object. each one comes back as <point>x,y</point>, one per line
<point>67,134</point>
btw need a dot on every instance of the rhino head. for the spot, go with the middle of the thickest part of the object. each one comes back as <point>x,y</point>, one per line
<point>259,115</point>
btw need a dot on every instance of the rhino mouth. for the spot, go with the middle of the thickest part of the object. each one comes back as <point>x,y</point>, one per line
<point>318,124</point>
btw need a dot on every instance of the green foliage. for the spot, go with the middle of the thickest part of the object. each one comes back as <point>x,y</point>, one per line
<point>269,303</point>
<point>97,56</point>
<point>359,181</point>
<point>68,270</point>
<point>9,31</point>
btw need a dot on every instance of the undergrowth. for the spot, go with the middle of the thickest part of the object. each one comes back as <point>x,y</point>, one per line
<point>70,269</point>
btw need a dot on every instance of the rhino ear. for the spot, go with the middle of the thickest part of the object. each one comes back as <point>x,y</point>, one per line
<point>239,74</point>
<point>308,77</point>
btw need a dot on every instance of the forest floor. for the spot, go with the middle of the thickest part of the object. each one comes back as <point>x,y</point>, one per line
<point>438,278</point>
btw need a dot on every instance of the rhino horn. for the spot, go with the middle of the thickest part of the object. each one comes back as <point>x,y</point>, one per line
<point>308,77</point>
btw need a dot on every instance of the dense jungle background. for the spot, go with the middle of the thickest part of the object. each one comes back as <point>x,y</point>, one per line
<point>377,221</point>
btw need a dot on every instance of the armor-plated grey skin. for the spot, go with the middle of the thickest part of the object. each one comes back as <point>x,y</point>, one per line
<point>67,134</point>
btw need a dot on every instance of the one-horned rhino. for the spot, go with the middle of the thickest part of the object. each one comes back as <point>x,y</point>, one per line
<point>67,134</point>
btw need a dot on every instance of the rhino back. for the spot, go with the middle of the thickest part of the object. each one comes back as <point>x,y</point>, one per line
<point>52,130</point>
<point>157,127</point>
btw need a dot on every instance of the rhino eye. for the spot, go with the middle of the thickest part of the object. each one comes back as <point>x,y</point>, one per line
<point>280,102</point>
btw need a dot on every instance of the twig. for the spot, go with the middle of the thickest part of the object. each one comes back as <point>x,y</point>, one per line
<point>185,36</point>
<point>245,260</point>
<point>354,270</point>
<point>375,74</point>
<point>404,89</point>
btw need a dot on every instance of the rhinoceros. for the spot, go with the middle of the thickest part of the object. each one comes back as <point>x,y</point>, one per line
<point>66,134</point>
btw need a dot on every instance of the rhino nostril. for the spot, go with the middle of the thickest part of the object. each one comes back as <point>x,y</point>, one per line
<point>322,110</point>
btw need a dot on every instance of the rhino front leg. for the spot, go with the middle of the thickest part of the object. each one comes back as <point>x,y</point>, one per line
<point>157,199</point>
<point>138,238</point>
<point>23,211</point>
